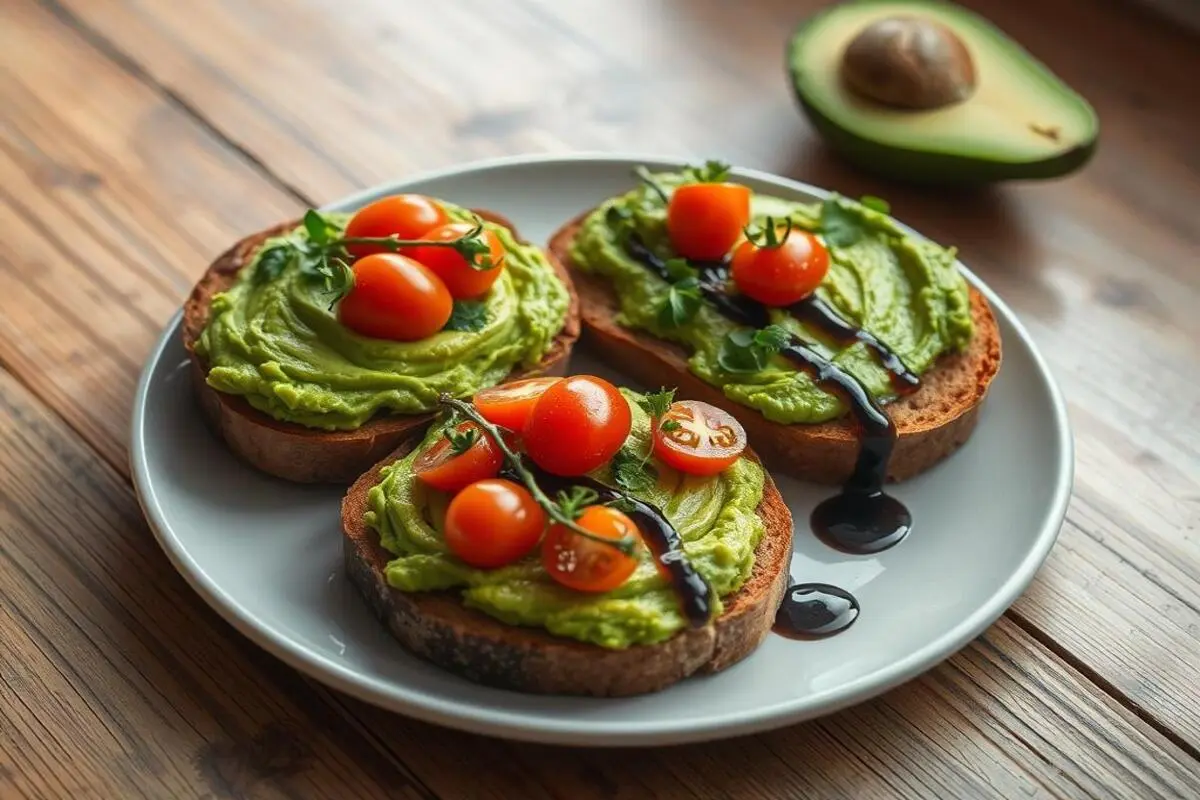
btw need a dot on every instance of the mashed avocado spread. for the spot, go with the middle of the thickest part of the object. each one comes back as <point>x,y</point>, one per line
<point>278,344</point>
<point>905,290</point>
<point>715,517</point>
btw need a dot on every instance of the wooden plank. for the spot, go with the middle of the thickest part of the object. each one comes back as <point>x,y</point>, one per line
<point>115,679</point>
<point>1003,719</point>
<point>1099,266</point>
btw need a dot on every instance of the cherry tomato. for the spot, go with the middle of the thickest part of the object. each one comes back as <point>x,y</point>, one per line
<point>697,438</point>
<point>705,220</point>
<point>442,468</point>
<point>408,216</point>
<point>492,523</point>
<point>577,425</point>
<point>782,275</point>
<point>587,565</point>
<point>395,297</point>
<point>509,404</point>
<point>463,280</point>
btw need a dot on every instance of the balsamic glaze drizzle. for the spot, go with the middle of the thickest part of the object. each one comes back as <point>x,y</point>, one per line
<point>862,519</point>
<point>814,611</point>
<point>694,592</point>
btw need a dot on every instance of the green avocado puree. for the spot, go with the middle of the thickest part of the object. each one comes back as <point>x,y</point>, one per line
<point>904,289</point>
<point>715,517</point>
<point>278,344</point>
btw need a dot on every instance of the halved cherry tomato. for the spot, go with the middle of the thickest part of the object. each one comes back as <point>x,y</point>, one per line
<point>576,425</point>
<point>396,298</point>
<point>698,438</point>
<point>584,564</point>
<point>784,274</point>
<point>492,523</point>
<point>408,216</point>
<point>443,466</point>
<point>509,404</point>
<point>462,279</point>
<point>705,220</point>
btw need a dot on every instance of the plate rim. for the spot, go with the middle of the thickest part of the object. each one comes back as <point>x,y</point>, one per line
<point>514,724</point>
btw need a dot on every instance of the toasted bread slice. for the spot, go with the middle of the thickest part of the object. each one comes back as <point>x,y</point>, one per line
<point>306,455</point>
<point>437,626</point>
<point>931,423</point>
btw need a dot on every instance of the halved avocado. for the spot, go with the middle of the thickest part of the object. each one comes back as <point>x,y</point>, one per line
<point>1017,121</point>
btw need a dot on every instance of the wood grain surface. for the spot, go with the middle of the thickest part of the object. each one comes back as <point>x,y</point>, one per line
<point>137,139</point>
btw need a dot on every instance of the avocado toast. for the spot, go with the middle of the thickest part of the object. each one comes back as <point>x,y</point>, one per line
<point>877,281</point>
<point>539,621</point>
<point>297,394</point>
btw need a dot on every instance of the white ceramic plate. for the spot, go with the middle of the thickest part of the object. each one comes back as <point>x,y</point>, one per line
<point>266,554</point>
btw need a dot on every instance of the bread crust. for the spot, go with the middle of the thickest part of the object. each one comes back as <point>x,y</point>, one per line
<point>307,455</point>
<point>931,423</point>
<point>437,627</point>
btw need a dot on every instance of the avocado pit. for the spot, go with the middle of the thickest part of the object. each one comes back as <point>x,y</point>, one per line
<point>909,62</point>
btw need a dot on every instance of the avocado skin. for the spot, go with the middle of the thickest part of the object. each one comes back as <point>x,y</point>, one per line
<point>922,166</point>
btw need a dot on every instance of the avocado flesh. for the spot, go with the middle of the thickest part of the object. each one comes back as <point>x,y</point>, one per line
<point>1021,121</point>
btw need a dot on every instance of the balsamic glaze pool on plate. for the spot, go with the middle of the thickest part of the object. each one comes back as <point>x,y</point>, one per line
<point>815,611</point>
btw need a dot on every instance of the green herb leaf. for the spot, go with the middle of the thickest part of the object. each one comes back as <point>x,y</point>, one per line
<point>338,277</point>
<point>669,425</point>
<point>461,441</point>
<point>839,226</point>
<point>272,262</point>
<point>682,302</point>
<point>876,203</point>
<point>468,315</point>
<point>657,404</point>
<point>320,231</point>
<point>574,500</point>
<point>679,269</point>
<point>711,172</point>
<point>748,351</point>
<point>632,473</point>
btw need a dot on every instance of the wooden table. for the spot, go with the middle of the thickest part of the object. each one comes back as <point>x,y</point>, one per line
<point>139,138</point>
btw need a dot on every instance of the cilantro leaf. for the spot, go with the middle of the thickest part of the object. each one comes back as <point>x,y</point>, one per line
<point>839,226</point>
<point>682,302</point>
<point>712,172</point>
<point>678,269</point>
<point>748,351</point>
<point>631,473</point>
<point>272,262</point>
<point>657,404</point>
<point>669,425</point>
<point>876,203</point>
<point>468,315</point>
<point>338,277</point>
<point>320,231</point>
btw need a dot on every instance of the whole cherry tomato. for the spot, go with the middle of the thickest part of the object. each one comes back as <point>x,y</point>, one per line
<point>395,298</point>
<point>783,274</point>
<point>577,425</point>
<point>705,220</point>
<point>492,523</point>
<point>587,565</point>
<point>461,278</point>
<point>406,216</point>
<point>698,438</point>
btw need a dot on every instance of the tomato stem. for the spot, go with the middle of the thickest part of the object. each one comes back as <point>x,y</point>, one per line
<point>626,544</point>
<point>767,237</point>
<point>471,245</point>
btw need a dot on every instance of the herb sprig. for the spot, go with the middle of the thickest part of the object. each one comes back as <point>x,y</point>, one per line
<point>322,255</point>
<point>554,510</point>
<point>840,226</point>
<point>633,472</point>
<point>749,351</point>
